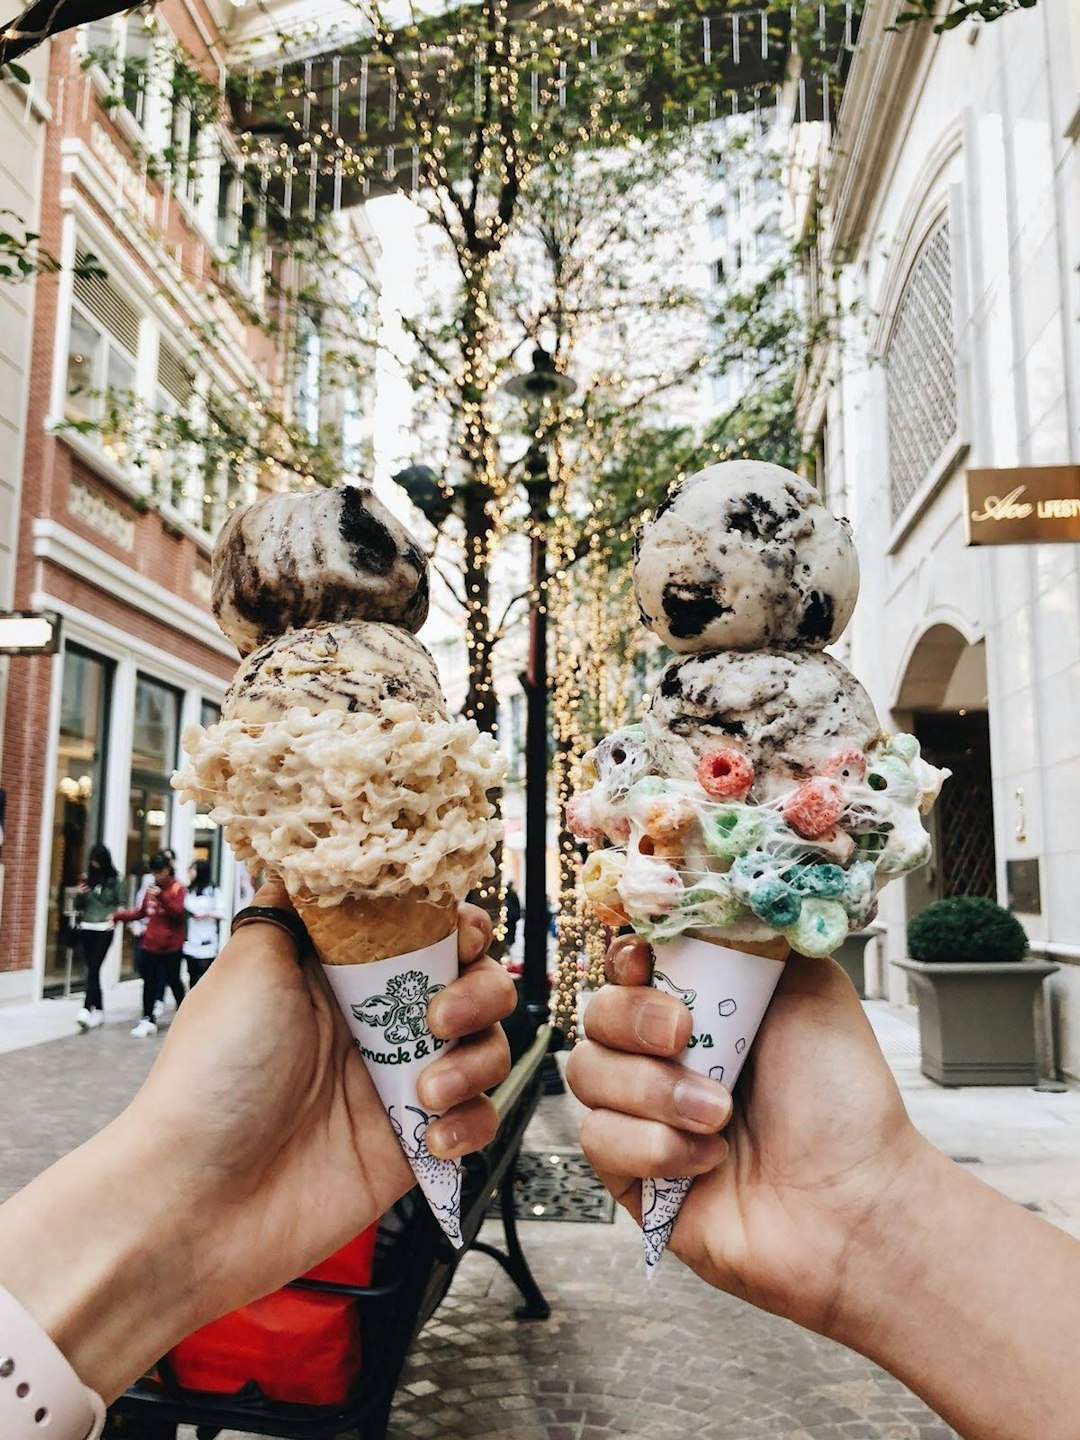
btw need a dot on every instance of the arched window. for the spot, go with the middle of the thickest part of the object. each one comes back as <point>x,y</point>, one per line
<point>920,367</point>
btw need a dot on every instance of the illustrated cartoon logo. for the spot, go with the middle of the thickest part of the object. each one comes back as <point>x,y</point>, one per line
<point>402,1011</point>
<point>661,982</point>
<point>440,1180</point>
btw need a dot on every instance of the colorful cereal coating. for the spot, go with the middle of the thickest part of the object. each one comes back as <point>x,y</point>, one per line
<point>820,928</point>
<point>847,765</point>
<point>814,808</point>
<point>732,832</point>
<point>725,774</point>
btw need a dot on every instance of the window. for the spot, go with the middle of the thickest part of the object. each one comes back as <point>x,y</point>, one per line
<point>170,461</point>
<point>920,369</point>
<point>124,48</point>
<point>101,367</point>
<point>77,805</point>
<point>307,388</point>
<point>718,223</point>
<point>187,152</point>
<point>719,271</point>
<point>230,192</point>
<point>225,476</point>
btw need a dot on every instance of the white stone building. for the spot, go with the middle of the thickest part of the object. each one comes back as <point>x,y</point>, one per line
<point>951,195</point>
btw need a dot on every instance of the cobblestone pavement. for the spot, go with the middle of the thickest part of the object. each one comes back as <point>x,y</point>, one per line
<point>619,1356</point>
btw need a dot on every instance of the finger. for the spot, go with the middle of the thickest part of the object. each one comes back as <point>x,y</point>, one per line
<point>641,1021</point>
<point>622,1146</point>
<point>629,961</point>
<point>483,996</point>
<point>474,933</point>
<point>649,1089</point>
<point>464,1129</point>
<point>477,1064</point>
<point>273,893</point>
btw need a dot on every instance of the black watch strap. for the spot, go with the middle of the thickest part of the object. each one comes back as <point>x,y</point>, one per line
<point>286,920</point>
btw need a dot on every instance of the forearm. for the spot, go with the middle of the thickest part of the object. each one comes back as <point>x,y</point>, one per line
<point>100,1260</point>
<point>974,1303</point>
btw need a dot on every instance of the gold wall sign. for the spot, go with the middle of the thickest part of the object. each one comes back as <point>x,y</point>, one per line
<point>1032,505</point>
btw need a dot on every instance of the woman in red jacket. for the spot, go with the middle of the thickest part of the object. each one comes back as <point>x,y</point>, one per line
<point>163,939</point>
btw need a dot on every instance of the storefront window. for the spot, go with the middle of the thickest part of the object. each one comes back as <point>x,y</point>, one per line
<point>77,804</point>
<point>153,759</point>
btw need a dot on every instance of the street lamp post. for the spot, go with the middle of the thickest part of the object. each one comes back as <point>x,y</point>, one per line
<point>539,388</point>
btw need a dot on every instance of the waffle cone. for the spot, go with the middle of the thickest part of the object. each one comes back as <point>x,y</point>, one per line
<point>775,949</point>
<point>360,931</point>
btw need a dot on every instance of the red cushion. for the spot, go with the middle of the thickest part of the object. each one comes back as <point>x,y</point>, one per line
<point>298,1346</point>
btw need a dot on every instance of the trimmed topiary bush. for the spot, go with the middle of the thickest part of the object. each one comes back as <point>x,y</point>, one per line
<point>966,928</point>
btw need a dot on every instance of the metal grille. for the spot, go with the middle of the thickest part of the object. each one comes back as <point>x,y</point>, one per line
<point>966,835</point>
<point>173,375</point>
<point>920,366</point>
<point>98,295</point>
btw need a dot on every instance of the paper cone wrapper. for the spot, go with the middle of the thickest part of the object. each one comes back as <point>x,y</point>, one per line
<point>727,991</point>
<point>385,959</point>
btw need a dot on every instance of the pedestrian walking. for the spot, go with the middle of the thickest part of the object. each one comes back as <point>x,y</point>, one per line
<point>138,928</point>
<point>162,908</point>
<point>513,914</point>
<point>205,911</point>
<point>97,898</point>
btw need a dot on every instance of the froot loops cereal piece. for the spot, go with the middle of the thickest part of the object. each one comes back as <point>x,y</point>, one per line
<point>669,816</point>
<point>858,897</point>
<point>725,774</point>
<point>776,903</point>
<point>732,831</point>
<point>611,914</point>
<point>621,759</point>
<point>847,765</point>
<point>892,776</point>
<point>904,746</point>
<point>821,926</point>
<point>815,807</point>
<point>823,882</point>
<point>582,820</point>
<point>601,875</point>
<point>713,902</point>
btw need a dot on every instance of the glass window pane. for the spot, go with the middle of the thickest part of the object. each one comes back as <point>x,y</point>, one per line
<point>84,350</point>
<point>138,49</point>
<point>77,805</point>
<point>209,713</point>
<point>157,715</point>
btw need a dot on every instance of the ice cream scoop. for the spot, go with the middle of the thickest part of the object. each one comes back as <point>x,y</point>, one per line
<point>788,712</point>
<point>302,557</point>
<point>354,667</point>
<point>744,555</point>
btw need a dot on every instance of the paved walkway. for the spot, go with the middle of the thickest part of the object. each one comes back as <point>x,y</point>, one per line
<point>619,1357</point>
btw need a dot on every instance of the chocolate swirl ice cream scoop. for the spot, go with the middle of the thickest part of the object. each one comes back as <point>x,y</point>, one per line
<point>306,557</point>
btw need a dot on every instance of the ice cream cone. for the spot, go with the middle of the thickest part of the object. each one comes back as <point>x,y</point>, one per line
<point>385,959</point>
<point>727,987</point>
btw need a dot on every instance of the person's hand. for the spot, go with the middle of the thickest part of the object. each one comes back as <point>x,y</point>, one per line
<point>256,1147</point>
<point>817,1139</point>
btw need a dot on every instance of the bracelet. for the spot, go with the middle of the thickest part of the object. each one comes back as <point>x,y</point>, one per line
<point>40,1394</point>
<point>286,920</point>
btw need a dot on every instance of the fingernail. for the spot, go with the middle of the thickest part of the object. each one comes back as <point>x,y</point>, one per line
<point>657,1025</point>
<point>446,1089</point>
<point>446,1140</point>
<point>702,1102</point>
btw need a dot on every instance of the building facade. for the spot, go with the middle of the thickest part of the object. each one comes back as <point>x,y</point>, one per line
<point>950,206</point>
<point>175,326</point>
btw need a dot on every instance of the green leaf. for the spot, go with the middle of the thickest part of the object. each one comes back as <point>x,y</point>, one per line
<point>17,72</point>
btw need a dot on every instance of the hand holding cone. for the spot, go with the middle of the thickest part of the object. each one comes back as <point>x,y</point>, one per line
<point>758,804</point>
<point>336,767</point>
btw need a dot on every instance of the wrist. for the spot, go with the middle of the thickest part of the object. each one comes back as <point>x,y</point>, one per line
<point>94,1251</point>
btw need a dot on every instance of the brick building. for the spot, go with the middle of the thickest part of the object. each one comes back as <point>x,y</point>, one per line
<point>150,363</point>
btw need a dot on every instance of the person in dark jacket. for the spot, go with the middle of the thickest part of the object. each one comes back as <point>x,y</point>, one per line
<point>162,908</point>
<point>97,898</point>
<point>513,914</point>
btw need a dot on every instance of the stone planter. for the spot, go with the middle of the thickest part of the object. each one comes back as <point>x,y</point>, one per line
<point>850,957</point>
<point>976,1022</point>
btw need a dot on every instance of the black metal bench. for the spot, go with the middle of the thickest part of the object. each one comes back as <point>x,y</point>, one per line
<point>414,1266</point>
